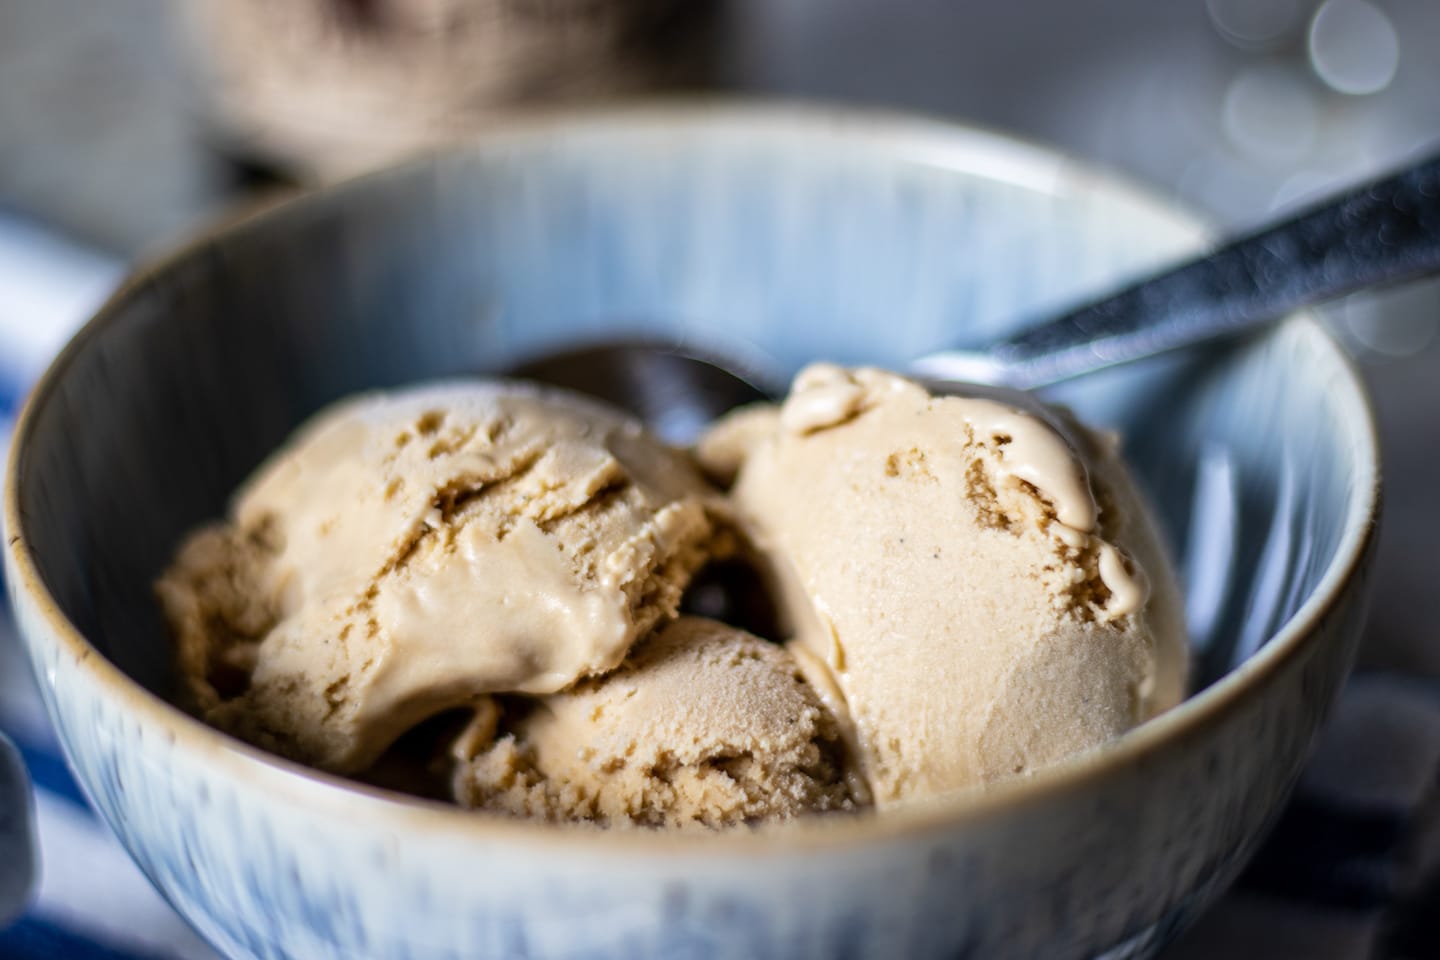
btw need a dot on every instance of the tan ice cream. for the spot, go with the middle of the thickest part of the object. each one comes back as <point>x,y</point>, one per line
<point>957,580</point>
<point>413,552</point>
<point>962,590</point>
<point>702,725</point>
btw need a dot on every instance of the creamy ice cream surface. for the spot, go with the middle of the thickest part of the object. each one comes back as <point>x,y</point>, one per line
<point>979,599</point>
<point>413,552</point>
<point>702,725</point>
<point>473,590</point>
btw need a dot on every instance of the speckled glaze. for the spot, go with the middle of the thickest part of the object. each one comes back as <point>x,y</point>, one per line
<point>780,236</point>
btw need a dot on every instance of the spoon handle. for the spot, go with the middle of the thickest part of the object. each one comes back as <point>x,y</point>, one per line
<point>1382,232</point>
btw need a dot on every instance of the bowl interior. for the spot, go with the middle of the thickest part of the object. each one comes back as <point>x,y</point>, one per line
<point>777,237</point>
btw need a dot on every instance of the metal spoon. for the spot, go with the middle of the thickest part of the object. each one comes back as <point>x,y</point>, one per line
<point>1381,232</point>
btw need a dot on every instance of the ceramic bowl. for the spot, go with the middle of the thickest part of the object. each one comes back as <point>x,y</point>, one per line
<point>779,235</point>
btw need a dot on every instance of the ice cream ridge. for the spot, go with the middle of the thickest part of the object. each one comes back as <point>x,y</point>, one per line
<point>962,596</point>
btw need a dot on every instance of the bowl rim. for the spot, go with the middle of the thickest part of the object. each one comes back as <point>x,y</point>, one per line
<point>907,137</point>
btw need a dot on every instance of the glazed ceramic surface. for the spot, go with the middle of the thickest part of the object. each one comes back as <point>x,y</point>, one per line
<point>777,236</point>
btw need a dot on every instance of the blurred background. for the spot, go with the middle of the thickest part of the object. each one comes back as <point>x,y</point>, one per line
<point>127,124</point>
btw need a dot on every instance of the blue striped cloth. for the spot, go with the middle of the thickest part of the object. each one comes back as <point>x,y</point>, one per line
<point>1351,871</point>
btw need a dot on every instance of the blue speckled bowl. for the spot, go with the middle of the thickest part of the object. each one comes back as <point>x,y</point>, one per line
<point>781,235</point>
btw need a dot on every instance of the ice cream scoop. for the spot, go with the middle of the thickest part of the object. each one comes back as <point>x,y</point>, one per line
<point>978,597</point>
<point>413,552</point>
<point>703,725</point>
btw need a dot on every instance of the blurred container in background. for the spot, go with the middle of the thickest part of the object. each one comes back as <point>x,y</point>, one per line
<point>331,87</point>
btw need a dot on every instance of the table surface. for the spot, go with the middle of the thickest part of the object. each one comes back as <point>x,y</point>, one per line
<point>104,139</point>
